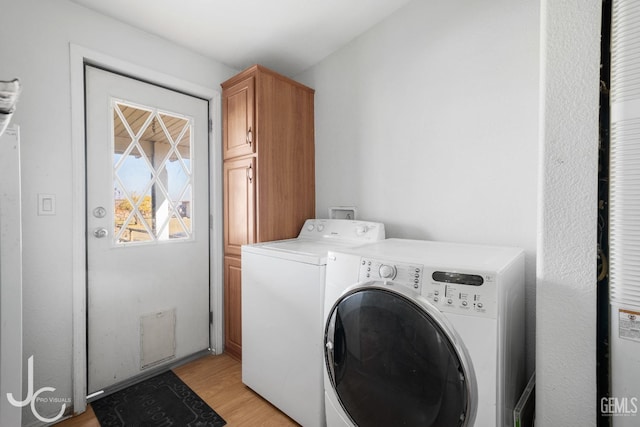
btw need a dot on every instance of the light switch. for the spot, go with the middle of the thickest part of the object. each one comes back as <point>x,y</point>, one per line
<point>46,204</point>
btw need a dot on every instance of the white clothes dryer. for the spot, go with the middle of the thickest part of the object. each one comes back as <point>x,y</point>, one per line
<point>421,333</point>
<point>282,305</point>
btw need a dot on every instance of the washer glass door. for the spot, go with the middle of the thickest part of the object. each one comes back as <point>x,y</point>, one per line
<point>392,363</point>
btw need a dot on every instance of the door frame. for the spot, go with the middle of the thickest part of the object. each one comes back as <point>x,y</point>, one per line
<point>79,56</point>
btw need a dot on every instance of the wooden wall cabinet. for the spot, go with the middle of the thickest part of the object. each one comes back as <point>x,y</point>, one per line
<point>238,125</point>
<point>269,171</point>
<point>239,204</point>
<point>232,299</point>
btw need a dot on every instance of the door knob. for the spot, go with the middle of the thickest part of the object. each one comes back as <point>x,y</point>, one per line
<point>100,232</point>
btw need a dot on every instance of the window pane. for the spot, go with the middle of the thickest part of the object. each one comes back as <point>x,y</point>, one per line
<point>152,174</point>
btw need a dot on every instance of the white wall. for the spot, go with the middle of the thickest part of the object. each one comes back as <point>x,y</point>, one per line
<point>429,123</point>
<point>34,46</point>
<point>566,294</point>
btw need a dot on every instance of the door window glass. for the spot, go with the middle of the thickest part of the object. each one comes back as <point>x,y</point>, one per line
<point>152,177</point>
<point>393,365</point>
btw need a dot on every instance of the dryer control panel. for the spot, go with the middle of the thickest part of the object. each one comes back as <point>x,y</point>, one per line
<point>409,275</point>
<point>452,291</point>
<point>472,293</point>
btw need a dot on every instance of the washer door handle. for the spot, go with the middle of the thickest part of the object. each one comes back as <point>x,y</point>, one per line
<point>329,347</point>
<point>330,362</point>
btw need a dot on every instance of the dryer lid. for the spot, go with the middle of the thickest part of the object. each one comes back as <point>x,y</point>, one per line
<point>393,359</point>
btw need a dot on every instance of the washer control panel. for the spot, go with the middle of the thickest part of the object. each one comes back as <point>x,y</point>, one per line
<point>452,291</point>
<point>359,231</point>
<point>409,275</point>
<point>463,293</point>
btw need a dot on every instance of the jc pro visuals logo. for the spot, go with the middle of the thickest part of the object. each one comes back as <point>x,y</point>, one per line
<point>35,397</point>
<point>619,406</point>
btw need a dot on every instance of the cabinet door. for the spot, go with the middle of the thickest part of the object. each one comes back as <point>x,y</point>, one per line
<point>239,204</point>
<point>238,125</point>
<point>233,307</point>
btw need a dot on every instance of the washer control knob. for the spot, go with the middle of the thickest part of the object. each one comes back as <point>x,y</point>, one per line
<point>361,230</point>
<point>320,227</point>
<point>387,271</point>
<point>310,226</point>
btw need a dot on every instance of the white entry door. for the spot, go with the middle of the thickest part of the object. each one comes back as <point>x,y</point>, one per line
<point>147,227</point>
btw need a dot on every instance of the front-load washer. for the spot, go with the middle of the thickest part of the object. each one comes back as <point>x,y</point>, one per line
<point>421,333</point>
<point>282,305</point>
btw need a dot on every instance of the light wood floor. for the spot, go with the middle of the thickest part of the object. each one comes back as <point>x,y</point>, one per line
<point>218,381</point>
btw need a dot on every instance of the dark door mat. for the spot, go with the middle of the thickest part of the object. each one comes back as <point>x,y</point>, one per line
<point>163,400</point>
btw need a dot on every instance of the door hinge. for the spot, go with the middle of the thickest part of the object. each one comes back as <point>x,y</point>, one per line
<point>210,125</point>
<point>211,317</point>
<point>210,222</point>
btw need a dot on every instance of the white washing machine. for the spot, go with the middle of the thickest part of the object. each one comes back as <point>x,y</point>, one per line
<point>282,305</point>
<point>422,333</point>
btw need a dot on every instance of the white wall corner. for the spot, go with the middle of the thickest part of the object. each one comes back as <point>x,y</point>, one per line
<point>567,214</point>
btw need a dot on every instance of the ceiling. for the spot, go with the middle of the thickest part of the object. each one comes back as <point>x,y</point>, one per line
<point>288,36</point>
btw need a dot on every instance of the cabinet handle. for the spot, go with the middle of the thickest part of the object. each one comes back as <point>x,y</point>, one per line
<point>250,174</point>
<point>249,136</point>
